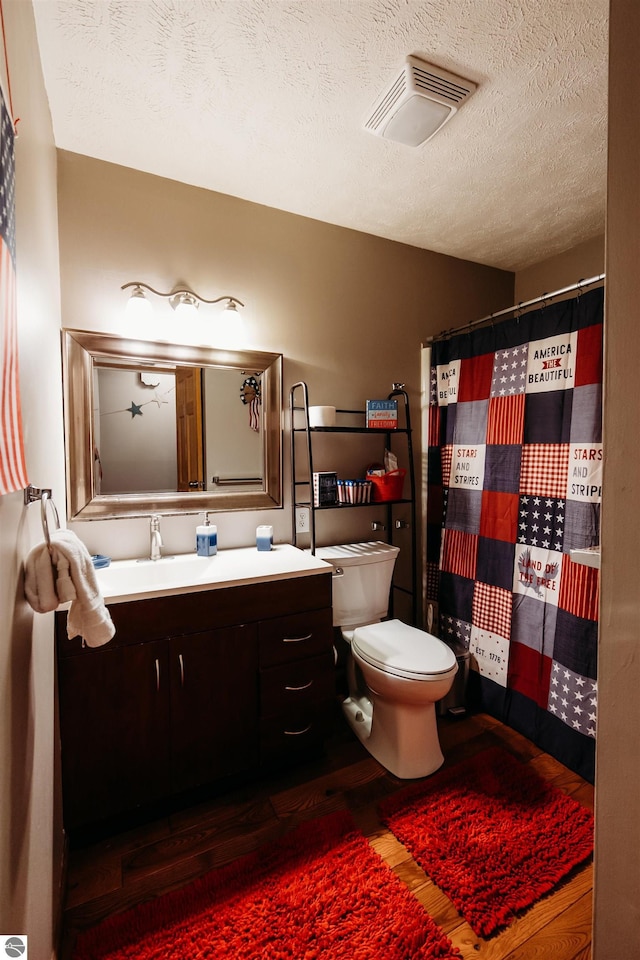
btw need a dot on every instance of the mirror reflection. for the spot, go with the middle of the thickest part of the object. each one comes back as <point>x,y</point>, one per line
<point>188,429</point>
<point>159,427</point>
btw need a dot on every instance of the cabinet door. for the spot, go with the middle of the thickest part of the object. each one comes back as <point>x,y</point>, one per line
<point>114,730</point>
<point>214,705</point>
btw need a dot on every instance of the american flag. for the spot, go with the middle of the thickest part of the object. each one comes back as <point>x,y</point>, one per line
<point>13,472</point>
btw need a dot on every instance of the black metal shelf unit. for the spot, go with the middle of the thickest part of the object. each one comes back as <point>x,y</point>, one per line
<point>302,489</point>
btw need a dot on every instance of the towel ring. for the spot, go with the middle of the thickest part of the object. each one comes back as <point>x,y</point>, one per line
<point>43,494</point>
<point>44,500</point>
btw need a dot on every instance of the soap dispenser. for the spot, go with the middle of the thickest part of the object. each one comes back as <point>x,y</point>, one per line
<point>206,538</point>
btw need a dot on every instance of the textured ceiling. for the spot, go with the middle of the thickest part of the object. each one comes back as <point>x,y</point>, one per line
<point>265,100</point>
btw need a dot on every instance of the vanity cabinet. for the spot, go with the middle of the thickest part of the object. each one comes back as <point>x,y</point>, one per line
<point>193,689</point>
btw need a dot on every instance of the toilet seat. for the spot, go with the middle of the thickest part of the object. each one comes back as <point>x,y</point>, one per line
<point>403,651</point>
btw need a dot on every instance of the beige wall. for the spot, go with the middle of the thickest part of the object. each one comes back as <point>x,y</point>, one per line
<point>348,311</point>
<point>582,262</point>
<point>30,837</point>
<point>617,884</point>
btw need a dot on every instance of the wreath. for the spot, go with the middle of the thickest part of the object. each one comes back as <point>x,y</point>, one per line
<point>250,390</point>
<point>250,394</point>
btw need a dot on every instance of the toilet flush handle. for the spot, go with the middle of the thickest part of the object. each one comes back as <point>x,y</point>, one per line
<point>337,572</point>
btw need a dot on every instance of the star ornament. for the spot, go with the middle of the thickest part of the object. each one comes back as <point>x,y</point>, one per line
<point>135,410</point>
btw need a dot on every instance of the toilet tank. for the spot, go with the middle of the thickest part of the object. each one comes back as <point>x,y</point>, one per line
<point>361,581</point>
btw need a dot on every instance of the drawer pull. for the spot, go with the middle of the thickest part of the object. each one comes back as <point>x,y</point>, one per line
<point>297,733</point>
<point>157,674</point>
<point>181,669</point>
<point>296,639</point>
<point>305,686</point>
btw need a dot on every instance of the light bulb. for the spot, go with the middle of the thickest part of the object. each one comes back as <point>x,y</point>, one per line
<point>138,307</point>
<point>186,307</point>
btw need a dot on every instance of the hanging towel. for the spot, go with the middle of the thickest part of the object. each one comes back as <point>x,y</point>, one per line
<point>65,572</point>
<point>39,580</point>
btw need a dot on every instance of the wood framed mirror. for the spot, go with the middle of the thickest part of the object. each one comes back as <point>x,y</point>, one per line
<point>155,427</point>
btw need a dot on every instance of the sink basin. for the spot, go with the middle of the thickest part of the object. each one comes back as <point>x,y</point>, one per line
<point>126,580</point>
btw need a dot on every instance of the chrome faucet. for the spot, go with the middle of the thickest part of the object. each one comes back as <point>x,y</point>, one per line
<point>156,539</point>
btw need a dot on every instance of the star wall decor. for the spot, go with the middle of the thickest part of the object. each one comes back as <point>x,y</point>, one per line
<point>136,408</point>
<point>157,399</point>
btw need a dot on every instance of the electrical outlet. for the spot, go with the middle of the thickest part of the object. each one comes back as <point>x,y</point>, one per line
<point>302,519</point>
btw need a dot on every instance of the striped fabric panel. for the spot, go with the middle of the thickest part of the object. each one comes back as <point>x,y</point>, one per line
<point>505,423</point>
<point>434,426</point>
<point>459,552</point>
<point>13,471</point>
<point>579,589</point>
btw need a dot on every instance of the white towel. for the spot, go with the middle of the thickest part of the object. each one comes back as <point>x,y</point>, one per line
<point>65,572</point>
<point>39,581</point>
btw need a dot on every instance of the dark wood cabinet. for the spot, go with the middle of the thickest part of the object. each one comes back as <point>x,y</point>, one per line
<point>114,726</point>
<point>193,689</point>
<point>214,705</point>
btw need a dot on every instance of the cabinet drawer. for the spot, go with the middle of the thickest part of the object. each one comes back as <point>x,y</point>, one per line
<point>286,688</point>
<point>287,740</point>
<point>291,638</point>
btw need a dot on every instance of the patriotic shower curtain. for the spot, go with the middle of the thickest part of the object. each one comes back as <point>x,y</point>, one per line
<point>514,485</point>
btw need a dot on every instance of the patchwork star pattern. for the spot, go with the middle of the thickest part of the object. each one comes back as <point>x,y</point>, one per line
<point>509,372</point>
<point>541,522</point>
<point>455,630</point>
<point>573,699</point>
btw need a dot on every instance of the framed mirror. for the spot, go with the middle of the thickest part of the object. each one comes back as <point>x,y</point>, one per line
<point>153,427</point>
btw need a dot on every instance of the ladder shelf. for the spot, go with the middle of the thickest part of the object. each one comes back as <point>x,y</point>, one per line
<point>302,470</point>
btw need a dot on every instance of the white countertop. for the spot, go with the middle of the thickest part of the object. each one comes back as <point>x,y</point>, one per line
<point>126,580</point>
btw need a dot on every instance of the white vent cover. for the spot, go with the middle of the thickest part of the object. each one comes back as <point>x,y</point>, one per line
<point>418,102</point>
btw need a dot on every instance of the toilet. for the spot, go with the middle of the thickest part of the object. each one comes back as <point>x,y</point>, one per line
<point>396,673</point>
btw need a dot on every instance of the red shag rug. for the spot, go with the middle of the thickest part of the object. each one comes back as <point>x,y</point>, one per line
<point>492,834</point>
<point>319,893</point>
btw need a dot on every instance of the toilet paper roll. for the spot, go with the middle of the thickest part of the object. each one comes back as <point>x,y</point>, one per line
<point>322,416</point>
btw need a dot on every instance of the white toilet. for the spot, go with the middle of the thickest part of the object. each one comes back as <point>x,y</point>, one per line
<point>396,673</point>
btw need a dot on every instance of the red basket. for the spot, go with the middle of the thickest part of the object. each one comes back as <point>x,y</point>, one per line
<point>387,487</point>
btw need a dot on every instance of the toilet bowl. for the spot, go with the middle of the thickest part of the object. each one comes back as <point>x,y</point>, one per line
<point>396,673</point>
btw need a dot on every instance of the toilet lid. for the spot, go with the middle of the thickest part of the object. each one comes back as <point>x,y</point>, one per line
<point>404,651</point>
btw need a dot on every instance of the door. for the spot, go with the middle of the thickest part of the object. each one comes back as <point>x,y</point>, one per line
<point>189,428</point>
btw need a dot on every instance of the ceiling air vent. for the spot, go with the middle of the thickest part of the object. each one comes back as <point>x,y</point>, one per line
<point>420,99</point>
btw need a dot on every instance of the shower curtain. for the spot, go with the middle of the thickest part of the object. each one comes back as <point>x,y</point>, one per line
<point>513,486</point>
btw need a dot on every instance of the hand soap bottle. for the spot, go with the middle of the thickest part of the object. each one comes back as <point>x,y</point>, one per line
<point>206,538</point>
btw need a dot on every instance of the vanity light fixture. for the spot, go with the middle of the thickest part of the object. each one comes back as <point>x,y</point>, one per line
<point>185,302</point>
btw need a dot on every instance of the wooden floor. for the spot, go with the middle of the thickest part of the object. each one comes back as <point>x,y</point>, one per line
<point>129,868</point>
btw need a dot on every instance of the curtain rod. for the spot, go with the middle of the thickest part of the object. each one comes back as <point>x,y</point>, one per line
<point>517,306</point>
